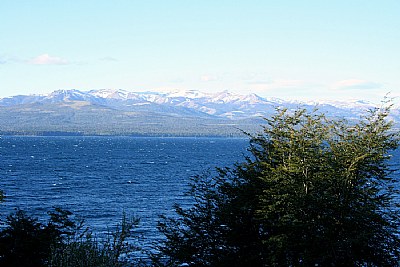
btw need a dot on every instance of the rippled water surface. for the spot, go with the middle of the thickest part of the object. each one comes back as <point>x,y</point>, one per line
<point>98,178</point>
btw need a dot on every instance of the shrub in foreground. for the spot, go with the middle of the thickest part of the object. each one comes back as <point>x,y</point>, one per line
<point>87,250</point>
<point>61,242</point>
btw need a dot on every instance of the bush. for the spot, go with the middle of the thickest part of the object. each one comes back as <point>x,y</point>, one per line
<point>61,242</point>
<point>27,242</point>
<point>87,251</point>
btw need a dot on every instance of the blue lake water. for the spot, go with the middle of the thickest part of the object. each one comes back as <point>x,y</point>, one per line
<point>97,178</point>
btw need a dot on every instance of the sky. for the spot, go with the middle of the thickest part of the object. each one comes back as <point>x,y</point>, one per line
<point>289,49</point>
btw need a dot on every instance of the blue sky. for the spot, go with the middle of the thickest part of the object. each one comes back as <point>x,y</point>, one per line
<point>309,49</point>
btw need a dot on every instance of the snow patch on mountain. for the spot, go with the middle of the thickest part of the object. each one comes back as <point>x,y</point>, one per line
<point>191,103</point>
<point>110,93</point>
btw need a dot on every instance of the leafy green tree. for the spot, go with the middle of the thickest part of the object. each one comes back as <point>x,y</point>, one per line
<point>314,192</point>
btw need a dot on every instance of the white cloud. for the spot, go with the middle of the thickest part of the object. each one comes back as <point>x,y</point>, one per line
<point>356,84</point>
<point>46,59</point>
<point>259,82</point>
<point>288,89</point>
<point>209,78</point>
<point>112,59</point>
<point>6,59</point>
<point>178,80</point>
<point>278,84</point>
<point>288,83</point>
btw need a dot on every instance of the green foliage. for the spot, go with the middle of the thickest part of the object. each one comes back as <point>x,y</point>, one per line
<point>27,242</point>
<point>87,251</point>
<point>62,242</point>
<point>314,192</point>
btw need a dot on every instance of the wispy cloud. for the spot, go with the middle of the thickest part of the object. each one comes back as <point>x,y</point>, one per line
<point>177,80</point>
<point>259,82</point>
<point>356,84</point>
<point>6,59</point>
<point>264,80</point>
<point>288,83</point>
<point>294,89</point>
<point>46,59</point>
<point>111,59</point>
<point>209,78</point>
<point>277,84</point>
<point>255,78</point>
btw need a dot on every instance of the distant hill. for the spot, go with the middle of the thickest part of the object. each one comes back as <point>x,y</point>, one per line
<point>181,113</point>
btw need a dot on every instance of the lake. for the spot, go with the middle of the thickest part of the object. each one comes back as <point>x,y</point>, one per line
<point>98,178</point>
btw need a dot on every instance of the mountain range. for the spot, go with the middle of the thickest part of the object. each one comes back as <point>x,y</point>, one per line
<point>176,113</point>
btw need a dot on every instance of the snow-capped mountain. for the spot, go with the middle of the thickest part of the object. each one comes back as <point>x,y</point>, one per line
<point>221,104</point>
<point>74,109</point>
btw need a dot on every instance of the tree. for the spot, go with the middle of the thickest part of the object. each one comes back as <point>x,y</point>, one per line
<point>314,192</point>
<point>27,242</point>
